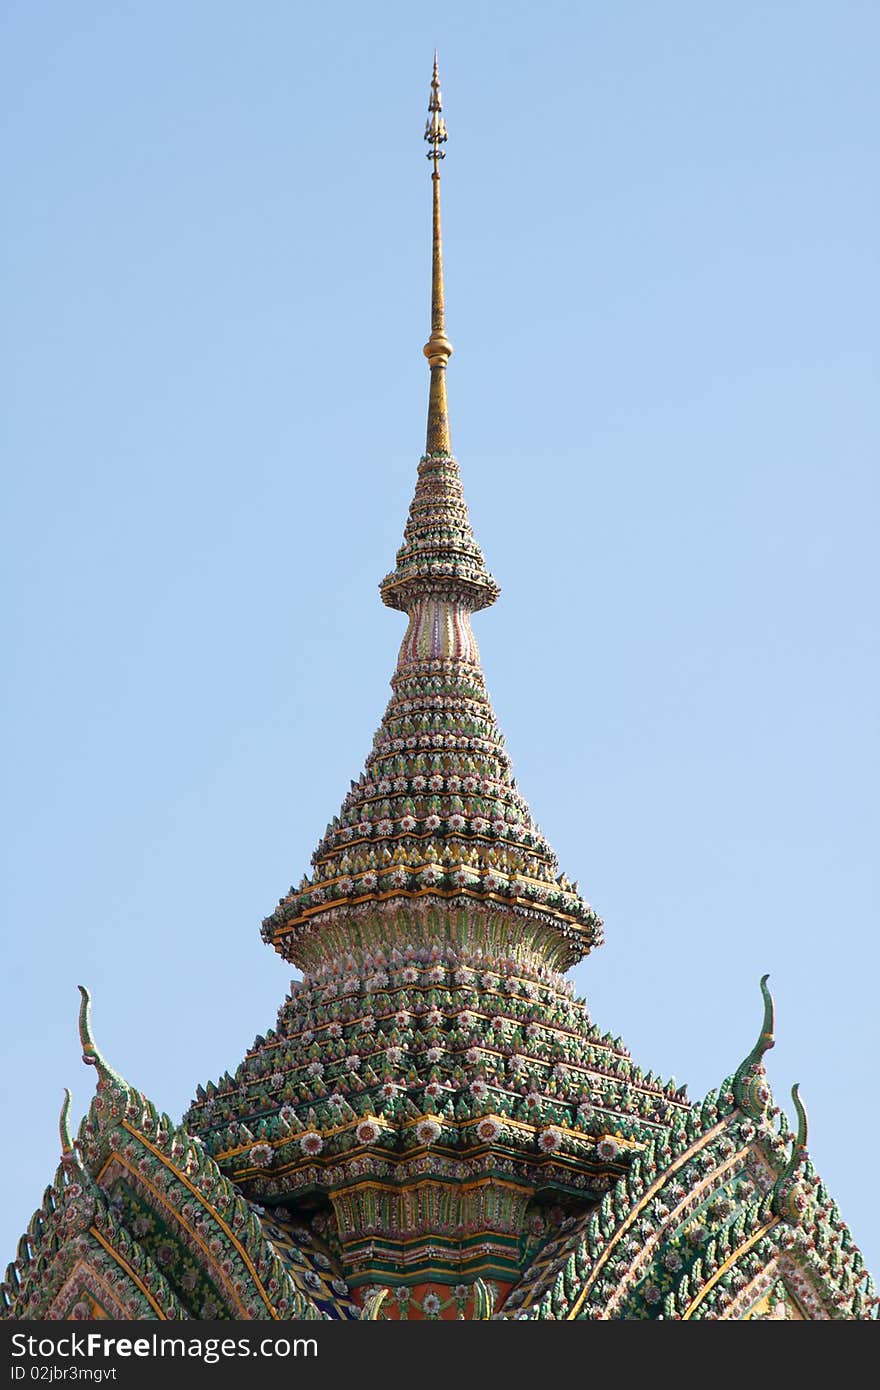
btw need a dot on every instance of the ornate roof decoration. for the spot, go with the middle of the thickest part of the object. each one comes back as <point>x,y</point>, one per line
<point>437,811</point>
<point>750,1080</point>
<point>435,1129</point>
<point>722,1217</point>
<point>140,1222</point>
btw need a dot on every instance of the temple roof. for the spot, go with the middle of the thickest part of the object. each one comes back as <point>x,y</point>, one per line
<point>435,1128</point>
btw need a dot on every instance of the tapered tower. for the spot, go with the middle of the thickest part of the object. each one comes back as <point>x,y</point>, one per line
<point>434,1128</point>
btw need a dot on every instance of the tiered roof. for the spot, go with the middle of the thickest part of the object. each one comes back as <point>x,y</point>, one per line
<point>435,1128</point>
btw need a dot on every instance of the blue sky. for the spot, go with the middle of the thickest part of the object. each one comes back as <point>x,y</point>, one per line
<point>661,230</point>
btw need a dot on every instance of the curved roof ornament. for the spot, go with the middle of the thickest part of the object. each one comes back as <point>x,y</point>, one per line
<point>789,1197</point>
<point>91,1054</point>
<point>372,1309</point>
<point>483,1301</point>
<point>750,1083</point>
<point>800,1142</point>
<point>67,1150</point>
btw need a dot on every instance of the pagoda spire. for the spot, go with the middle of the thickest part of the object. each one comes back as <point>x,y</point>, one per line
<point>438,348</point>
<point>436,820</point>
<point>440,558</point>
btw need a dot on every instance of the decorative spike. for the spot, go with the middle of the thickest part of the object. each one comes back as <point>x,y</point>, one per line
<point>438,348</point>
<point>64,1126</point>
<point>90,1053</point>
<point>750,1092</point>
<point>800,1142</point>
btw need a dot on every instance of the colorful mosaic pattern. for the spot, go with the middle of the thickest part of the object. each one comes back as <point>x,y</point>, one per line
<point>435,1129</point>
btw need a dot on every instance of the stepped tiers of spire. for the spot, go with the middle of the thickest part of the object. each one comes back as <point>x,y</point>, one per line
<point>434,1128</point>
<point>437,813</point>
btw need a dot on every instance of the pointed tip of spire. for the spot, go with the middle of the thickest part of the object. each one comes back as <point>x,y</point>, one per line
<point>438,348</point>
<point>435,129</point>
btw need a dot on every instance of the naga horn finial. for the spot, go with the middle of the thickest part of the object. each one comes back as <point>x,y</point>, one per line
<point>749,1084</point>
<point>91,1054</point>
<point>64,1125</point>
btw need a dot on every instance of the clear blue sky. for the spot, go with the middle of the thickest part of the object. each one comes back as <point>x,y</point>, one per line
<point>662,287</point>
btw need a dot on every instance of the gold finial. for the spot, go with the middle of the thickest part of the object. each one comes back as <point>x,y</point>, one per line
<point>435,127</point>
<point>438,348</point>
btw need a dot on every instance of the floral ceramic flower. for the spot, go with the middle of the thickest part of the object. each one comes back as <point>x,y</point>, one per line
<point>334,1030</point>
<point>427,1130</point>
<point>478,1088</point>
<point>607,1149</point>
<point>457,822</point>
<point>315,1069</point>
<point>344,885</point>
<point>276,1080</point>
<point>435,782</point>
<point>434,1054</point>
<point>407,824</point>
<point>385,826</point>
<point>368,1131</point>
<point>433,1017</point>
<point>549,1140</point>
<point>672,1261</point>
<point>488,1130</point>
<point>653,1294</point>
<point>353,1062</point>
<point>418,784</point>
<point>431,1304</point>
<point>311,1143</point>
<point>261,1155</point>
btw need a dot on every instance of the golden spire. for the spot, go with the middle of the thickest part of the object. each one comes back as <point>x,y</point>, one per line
<point>438,348</point>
